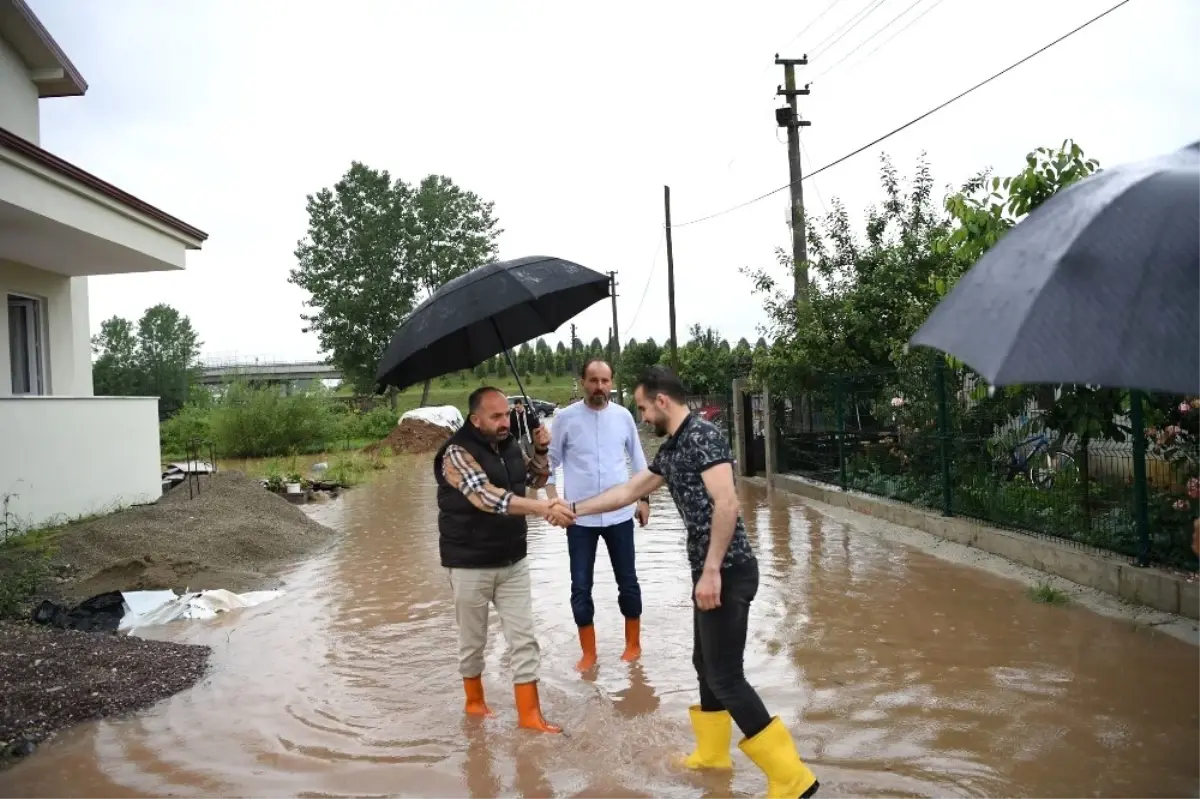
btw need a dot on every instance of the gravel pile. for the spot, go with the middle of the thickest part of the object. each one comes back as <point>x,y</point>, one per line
<point>228,536</point>
<point>225,537</point>
<point>50,679</point>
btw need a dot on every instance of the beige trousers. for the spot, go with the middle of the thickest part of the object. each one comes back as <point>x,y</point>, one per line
<point>508,588</point>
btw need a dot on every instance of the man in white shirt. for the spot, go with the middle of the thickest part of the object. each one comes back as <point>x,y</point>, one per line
<point>591,441</point>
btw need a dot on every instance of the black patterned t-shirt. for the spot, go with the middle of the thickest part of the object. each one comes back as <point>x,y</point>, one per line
<point>696,447</point>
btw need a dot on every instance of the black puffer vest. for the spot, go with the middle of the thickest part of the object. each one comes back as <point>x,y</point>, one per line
<point>469,538</point>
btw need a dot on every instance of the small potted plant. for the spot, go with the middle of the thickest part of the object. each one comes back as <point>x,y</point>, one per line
<point>294,483</point>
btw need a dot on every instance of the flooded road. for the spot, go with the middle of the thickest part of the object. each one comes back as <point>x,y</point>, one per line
<point>898,673</point>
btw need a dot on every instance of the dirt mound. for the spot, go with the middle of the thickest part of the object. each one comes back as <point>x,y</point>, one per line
<point>413,435</point>
<point>50,679</point>
<point>226,536</point>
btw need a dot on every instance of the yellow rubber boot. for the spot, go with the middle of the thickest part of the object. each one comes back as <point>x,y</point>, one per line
<point>774,751</point>
<point>714,733</point>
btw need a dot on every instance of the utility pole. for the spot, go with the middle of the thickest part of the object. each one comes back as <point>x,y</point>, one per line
<point>571,353</point>
<point>615,337</point>
<point>787,117</point>
<point>670,279</point>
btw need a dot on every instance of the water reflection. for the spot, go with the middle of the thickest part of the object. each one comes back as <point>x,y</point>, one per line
<point>899,674</point>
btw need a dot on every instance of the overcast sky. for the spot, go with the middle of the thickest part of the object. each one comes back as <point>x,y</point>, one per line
<point>226,113</point>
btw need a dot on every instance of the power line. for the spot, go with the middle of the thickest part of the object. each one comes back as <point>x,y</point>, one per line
<point>806,28</point>
<point>646,289</point>
<point>864,42</point>
<point>820,199</point>
<point>853,23</point>
<point>911,122</point>
<point>885,42</point>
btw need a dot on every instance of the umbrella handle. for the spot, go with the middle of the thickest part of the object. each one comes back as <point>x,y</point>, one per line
<point>516,373</point>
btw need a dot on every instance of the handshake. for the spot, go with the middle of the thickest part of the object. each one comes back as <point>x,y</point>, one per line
<point>558,512</point>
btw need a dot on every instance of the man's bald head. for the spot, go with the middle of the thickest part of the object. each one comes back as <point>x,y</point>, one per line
<point>488,409</point>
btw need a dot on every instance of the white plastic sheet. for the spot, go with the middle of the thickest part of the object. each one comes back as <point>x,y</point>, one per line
<point>144,608</point>
<point>442,415</point>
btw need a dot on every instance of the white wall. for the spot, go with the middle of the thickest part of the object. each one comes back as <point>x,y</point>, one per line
<point>18,96</point>
<point>65,457</point>
<point>66,308</point>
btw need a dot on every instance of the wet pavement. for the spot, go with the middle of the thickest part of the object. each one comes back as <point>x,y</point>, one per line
<point>898,673</point>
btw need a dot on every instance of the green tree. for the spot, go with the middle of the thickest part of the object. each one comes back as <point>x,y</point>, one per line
<point>704,362</point>
<point>741,359</point>
<point>636,359</point>
<point>525,359</point>
<point>451,231</point>
<point>115,371</point>
<point>160,360</point>
<point>544,358</point>
<point>562,359</point>
<point>354,264</point>
<point>168,353</point>
<point>869,292</point>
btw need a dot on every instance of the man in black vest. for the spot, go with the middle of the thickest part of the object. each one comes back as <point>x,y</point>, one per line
<point>482,478</point>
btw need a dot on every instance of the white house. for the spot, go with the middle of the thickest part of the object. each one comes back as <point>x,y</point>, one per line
<point>64,452</point>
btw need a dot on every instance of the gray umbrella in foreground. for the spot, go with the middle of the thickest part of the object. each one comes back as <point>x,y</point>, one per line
<point>1100,286</point>
<point>484,313</point>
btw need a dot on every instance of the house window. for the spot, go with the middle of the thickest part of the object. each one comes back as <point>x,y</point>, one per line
<point>26,345</point>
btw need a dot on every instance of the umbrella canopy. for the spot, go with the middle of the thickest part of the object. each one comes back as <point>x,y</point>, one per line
<point>482,313</point>
<point>1100,285</point>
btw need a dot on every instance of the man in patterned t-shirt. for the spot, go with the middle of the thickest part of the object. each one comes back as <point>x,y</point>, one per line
<point>696,465</point>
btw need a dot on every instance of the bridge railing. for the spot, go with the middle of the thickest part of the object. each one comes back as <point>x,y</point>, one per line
<point>243,365</point>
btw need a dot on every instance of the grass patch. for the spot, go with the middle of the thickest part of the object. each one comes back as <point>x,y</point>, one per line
<point>1045,594</point>
<point>354,468</point>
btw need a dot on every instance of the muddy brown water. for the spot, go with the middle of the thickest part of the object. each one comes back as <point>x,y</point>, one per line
<point>899,674</point>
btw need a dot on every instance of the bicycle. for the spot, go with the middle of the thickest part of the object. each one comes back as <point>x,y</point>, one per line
<point>1039,459</point>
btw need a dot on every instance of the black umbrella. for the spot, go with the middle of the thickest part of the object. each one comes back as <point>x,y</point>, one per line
<point>1100,285</point>
<point>486,311</point>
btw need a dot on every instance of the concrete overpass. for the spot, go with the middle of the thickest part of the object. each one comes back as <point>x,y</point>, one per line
<point>262,372</point>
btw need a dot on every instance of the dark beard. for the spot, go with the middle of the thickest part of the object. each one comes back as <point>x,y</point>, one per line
<point>661,429</point>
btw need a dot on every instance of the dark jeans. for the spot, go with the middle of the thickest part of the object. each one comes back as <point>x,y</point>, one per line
<point>719,642</point>
<point>582,543</point>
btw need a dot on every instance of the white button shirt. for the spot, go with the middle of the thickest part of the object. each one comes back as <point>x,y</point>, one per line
<point>591,448</point>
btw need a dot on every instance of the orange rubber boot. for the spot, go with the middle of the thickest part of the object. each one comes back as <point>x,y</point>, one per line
<point>475,706</point>
<point>529,709</point>
<point>587,642</point>
<point>633,640</point>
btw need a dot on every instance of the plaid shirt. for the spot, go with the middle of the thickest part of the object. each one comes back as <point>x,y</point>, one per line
<point>462,471</point>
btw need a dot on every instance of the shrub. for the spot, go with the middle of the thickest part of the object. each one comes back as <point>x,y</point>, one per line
<point>370,425</point>
<point>190,423</point>
<point>251,422</point>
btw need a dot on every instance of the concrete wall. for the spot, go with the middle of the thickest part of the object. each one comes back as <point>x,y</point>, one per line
<point>1144,586</point>
<point>65,457</point>
<point>66,328</point>
<point>18,96</point>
